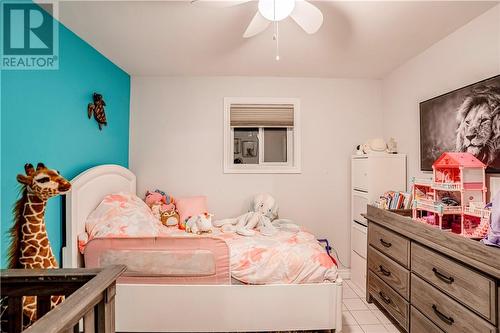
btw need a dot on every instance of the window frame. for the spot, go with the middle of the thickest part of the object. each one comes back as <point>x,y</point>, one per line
<point>293,164</point>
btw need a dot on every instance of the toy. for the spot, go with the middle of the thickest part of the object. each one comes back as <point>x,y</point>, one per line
<point>97,108</point>
<point>376,145</point>
<point>456,197</point>
<point>30,246</point>
<point>199,224</point>
<point>359,150</point>
<point>392,146</point>
<point>170,218</point>
<point>263,211</point>
<point>163,207</point>
<point>493,235</point>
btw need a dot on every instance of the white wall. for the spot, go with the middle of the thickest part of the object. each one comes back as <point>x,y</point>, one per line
<point>468,55</point>
<point>176,144</point>
<point>176,137</point>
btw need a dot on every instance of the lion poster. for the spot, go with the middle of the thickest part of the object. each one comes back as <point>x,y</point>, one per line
<point>464,120</point>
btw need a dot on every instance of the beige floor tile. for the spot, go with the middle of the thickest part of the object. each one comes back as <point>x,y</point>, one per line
<point>348,319</point>
<point>352,329</point>
<point>361,293</point>
<point>374,328</point>
<point>391,328</point>
<point>354,304</point>
<point>365,317</point>
<point>381,316</point>
<point>347,292</point>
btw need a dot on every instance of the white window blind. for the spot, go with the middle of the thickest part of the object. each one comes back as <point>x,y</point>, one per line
<point>258,115</point>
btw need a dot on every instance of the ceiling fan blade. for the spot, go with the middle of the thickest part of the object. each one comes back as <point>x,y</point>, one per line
<point>218,3</point>
<point>307,16</point>
<point>258,24</point>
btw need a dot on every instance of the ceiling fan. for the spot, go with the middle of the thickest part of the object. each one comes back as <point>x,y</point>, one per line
<point>305,14</point>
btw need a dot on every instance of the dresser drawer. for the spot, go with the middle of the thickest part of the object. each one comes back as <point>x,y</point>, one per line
<point>390,272</point>
<point>420,324</point>
<point>389,243</point>
<point>447,313</point>
<point>359,203</point>
<point>359,239</point>
<point>464,284</point>
<point>358,270</point>
<point>396,305</point>
<point>360,174</point>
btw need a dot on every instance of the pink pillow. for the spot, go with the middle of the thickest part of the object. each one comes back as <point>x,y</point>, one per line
<point>190,206</point>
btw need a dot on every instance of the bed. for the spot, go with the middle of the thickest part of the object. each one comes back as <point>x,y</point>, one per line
<point>165,301</point>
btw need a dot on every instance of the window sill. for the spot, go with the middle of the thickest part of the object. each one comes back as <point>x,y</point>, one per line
<point>262,169</point>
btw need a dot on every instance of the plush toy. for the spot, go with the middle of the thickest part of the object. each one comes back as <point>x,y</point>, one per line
<point>263,211</point>
<point>376,145</point>
<point>30,246</point>
<point>199,224</point>
<point>170,218</point>
<point>163,207</point>
<point>392,146</point>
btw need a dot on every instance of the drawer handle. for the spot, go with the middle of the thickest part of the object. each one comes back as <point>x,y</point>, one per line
<point>443,317</point>
<point>384,271</point>
<point>384,243</point>
<point>442,277</point>
<point>384,297</point>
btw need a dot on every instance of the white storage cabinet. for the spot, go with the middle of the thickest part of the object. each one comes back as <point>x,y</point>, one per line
<point>371,176</point>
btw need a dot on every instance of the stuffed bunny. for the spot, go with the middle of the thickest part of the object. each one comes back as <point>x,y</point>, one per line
<point>199,224</point>
<point>263,210</point>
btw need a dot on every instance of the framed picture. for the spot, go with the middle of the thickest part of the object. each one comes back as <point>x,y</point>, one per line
<point>463,120</point>
<point>249,148</point>
<point>237,143</point>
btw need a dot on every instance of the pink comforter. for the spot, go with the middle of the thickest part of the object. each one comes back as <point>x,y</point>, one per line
<point>283,258</point>
<point>286,257</point>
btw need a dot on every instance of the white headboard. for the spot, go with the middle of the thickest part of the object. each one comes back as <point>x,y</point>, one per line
<point>87,191</point>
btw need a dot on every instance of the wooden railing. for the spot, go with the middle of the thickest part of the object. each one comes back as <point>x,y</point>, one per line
<point>89,296</point>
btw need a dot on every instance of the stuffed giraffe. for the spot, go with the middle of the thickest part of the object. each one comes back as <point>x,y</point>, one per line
<point>30,246</point>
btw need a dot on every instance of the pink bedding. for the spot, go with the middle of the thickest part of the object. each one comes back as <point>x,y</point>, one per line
<point>283,258</point>
<point>163,254</point>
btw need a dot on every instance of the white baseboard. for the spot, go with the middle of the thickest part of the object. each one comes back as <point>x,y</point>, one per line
<point>344,273</point>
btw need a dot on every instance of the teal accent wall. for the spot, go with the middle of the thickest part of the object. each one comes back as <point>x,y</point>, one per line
<point>44,119</point>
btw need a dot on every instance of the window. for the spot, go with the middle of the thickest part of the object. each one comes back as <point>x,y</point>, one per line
<point>261,135</point>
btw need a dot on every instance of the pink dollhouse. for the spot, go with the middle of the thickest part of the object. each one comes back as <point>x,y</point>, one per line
<point>455,198</point>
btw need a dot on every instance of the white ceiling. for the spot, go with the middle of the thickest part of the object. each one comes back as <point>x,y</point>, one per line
<point>357,39</point>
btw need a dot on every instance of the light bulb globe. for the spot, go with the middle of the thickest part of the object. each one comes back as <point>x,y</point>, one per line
<point>276,10</point>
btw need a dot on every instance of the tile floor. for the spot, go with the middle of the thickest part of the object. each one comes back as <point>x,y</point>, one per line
<point>359,316</point>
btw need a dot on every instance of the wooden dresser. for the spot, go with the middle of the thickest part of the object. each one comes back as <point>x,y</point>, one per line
<point>429,280</point>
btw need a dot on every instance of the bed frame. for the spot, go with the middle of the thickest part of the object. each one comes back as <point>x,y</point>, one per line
<point>197,308</point>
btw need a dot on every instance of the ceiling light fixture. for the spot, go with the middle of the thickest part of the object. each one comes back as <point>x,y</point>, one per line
<point>276,10</point>
<point>305,14</point>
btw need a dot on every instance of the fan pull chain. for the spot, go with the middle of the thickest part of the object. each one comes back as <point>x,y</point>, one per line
<point>276,33</point>
<point>276,38</point>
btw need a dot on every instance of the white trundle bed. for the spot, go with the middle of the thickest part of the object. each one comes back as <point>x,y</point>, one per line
<point>153,307</point>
